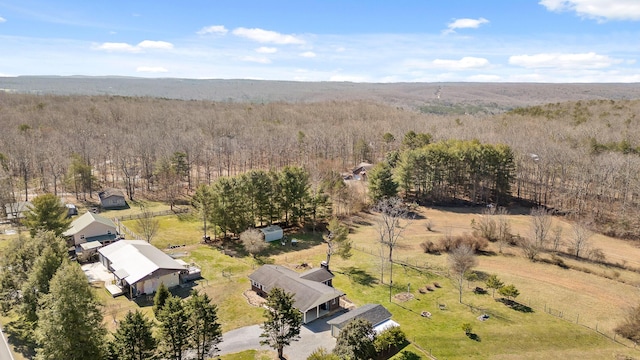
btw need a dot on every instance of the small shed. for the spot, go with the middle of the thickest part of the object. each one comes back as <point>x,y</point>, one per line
<point>376,314</point>
<point>272,233</point>
<point>71,210</point>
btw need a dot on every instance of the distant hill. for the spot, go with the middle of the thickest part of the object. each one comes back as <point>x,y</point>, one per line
<point>427,97</point>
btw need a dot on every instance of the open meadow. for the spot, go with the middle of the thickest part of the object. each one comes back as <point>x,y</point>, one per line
<point>567,311</point>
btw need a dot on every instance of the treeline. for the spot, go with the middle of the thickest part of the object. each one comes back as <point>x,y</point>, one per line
<point>235,203</point>
<point>456,170</point>
<point>578,157</point>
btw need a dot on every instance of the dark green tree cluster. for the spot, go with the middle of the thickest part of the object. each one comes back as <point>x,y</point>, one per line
<point>456,169</point>
<point>358,341</point>
<point>183,325</point>
<point>234,204</point>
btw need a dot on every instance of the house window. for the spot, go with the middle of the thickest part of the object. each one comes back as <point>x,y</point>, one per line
<point>81,236</point>
<point>333,302</point>
<point>108,232</point>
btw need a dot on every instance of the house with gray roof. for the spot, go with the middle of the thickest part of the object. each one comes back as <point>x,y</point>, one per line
<point>139,267</point>
<point>376,314</point>
<point>91,227</point>
<point>112,199</point>
<point>16,211</point>
<point>312,298</point>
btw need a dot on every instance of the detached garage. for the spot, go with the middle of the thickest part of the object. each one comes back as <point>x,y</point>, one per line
<point>139,267</point>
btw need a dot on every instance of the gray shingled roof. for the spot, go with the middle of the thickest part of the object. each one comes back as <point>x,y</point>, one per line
<point>110,192</point>
<point>85,220</point>
<point>318,274</point>
<point>375,313</point>
<point>307,294</point>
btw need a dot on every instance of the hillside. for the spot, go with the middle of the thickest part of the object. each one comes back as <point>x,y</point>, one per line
<point>496,97</point>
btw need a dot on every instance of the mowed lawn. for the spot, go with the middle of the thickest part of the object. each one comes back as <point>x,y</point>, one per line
<point>586,298</point>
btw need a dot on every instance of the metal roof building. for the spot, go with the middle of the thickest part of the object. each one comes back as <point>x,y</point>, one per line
<point>140,267</point>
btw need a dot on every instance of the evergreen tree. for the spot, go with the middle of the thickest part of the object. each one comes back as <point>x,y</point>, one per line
<point>381,183</point>
<point>69,320</point>
<point>206,333</point>
<point>133,340</point>
<point>47,214</point>
<point>37,285</point>
<point>162,294</point>
<point>174,329</point>
<point>322,354</point>
<point>283,321</point>
<point>356,341</point>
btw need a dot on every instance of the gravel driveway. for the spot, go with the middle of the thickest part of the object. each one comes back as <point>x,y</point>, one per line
<point>312,336</point>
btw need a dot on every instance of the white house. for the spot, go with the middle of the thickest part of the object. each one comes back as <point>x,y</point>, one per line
<point>139,267</point>
<point>91,227</point>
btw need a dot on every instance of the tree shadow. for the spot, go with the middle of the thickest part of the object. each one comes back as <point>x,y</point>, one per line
<point>474,337</point>
<point>358,276</point>
<point>20,335</point>
<point>515,305</point>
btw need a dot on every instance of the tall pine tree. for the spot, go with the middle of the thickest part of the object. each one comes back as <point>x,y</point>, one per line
<point>283,321</point>
<point>70,321</point>
<point>133,340</point>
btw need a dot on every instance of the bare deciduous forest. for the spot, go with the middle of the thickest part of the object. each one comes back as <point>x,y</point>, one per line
<point>577,157</point>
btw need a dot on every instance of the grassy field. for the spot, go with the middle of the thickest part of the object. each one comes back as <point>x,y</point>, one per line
<point>588,296</point>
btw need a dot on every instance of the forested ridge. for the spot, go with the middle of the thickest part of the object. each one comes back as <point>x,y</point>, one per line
<point>576,157</point>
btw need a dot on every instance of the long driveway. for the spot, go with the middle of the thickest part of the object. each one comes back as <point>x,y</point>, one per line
<point>312,336</point>
<point>5,353</point>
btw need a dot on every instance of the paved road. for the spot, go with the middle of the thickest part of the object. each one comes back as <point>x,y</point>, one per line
<point>5,353</point>
<point>312,336</point>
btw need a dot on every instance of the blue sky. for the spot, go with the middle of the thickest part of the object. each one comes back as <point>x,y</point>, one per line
<point>325,40</point>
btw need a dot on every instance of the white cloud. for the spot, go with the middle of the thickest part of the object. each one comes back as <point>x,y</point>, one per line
<point>260,60</point>
<point>2,20</point>
<point>308,54</point>
<point>150,44</point>
<point>597,9</point>
<point>266,36</point>
<point>266,50</point>
<point>465,24</point>
<point>213,29</point>
<point>124,47</point>
<point>117,47</point>
<point>151,69</point>
<point>589,60</point>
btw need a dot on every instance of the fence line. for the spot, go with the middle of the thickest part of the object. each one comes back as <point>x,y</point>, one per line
<point>558,313</point>
<point>176,210</point>
<point>126,230</point>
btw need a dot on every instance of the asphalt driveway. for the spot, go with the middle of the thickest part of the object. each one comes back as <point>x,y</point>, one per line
<point>312,336</point>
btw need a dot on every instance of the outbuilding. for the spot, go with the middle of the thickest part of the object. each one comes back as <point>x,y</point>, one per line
<point>272,233</point>
<point>376,314</point>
